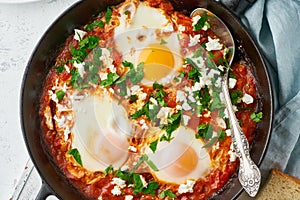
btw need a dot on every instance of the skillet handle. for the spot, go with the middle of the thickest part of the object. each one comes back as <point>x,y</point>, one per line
<point>44,192</point>
<point>238,7</point>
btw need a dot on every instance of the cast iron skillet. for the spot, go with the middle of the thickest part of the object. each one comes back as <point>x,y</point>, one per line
<point>43,59</point>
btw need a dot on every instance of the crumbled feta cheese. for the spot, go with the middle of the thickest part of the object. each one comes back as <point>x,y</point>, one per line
<point>186,119</point>
<point>118,182</point>
<point>143,96</point>
<point>231,83</point>
<point>60,121</point>
<point>206,115</point>
<point>195,19</point>
<point>191,98</point>
<point>228,132</point>
<point>107,60</point>
<point>145,127</point>
<point>79,34</point>
<point>232,156</point>
<point>53,96</point>
<point>194,40</point>
<point>196,87</point>
<point>124,168</point>
<point>181,28</point>
<point>213,44</point>
<point>221,122</point>
<point>178,107</point>
<point>152,100</point>
<point>168,28</point>
<point>116,191</point>
<point>248,99</point>
<point>67,68</point>
<point>180,96</point>
<point>188,187</point>
<point>132,148</point>
<point>128,197</point>
<point>163,114</point>
<point>186,106</point>
<point>143,181</point>
<point>103,76</point>
<point>221,68</point>
<point>151,106</point>
<point>80,67</point>
<point>134,89</point>
<point>235,109</point>
<point>111,90</point>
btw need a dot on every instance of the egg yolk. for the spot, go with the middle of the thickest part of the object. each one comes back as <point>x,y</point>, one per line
<point>158,61</point>
<point>185,164</point>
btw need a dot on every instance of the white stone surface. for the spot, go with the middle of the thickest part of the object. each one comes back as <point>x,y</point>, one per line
<point>21,26</point>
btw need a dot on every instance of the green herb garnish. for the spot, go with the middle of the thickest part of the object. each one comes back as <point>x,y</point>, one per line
<point>235,96</point>
<point>111,79</point>
<point>60,68</point>
<point>76,155</point>
<point>167,193</point>
<point>173,124</point>
<point>60,95</point>
<point>200,23</point>
<point>163,41</point>
<point>256,117</point>
<point>109,169</point>
<point>94,24</point>
<point>108,15</point>
<point>153,145</point>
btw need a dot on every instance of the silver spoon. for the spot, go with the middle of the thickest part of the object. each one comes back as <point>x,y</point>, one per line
<point>249,174</point>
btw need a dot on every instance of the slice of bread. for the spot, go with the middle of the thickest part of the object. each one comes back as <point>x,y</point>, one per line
<point>280,186</point>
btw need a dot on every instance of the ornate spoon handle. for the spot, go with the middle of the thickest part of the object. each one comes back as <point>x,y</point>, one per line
<point>249,174</point>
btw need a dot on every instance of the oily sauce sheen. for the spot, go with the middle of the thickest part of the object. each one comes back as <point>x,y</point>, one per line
<point>71,82</point>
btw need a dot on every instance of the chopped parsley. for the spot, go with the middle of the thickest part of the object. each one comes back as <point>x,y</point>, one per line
<point>109,169</point>
<point>235,96</point>
<point>256,117</point>
<point>201,23</point>
<point>135,76</point>
<point>60,68</point>
<point>153,145</point>
<point>126,12</point>
<point>216,103</point>
<point>76,155</point>
<point>163,41</point>
<point>108,15</point>
<point>60,95</point>
<point>167,193</point>
<point>173,124</point>
<point>111,79</point>
<point>94,24</point>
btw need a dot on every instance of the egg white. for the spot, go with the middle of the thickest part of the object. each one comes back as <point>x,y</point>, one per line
<point>100,132</point>
<point>184,147</point>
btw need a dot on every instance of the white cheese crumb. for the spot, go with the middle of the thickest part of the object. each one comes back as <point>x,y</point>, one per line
<point>186,119</point>
<point>186,106</point>
<point>213,44</point>
<point>143,181</point>
<point>163,115</point>
<point>103,76</point>
<point>53,96</point>
<point>180,96</point>
<point>124,168</point>
<point>231,83</point>
<point>178,107</point>
<point>228,132</point>
<point>235,109</point>
<point>248,99</point>
<point>67,68</point>
<point>196,87</point>
<point>221,122</point>
<point>232,156</point>
<point>194,40</point>
<point>132,148</point>
<point>143,96</point>
<point>118,182</point>
<point>181,28</point>
<point>134,89</point>
<point>107,60</point>
<point>128,197</point>
<point>195,19</point>
<point>66,133</point>
<point>168,28</point>
<point>216,146</point>
<point>191,98</point>
<point>144,125</point>
<point>188,187</point>
<point>80,67</point>
<point>116,191</point>
<point>79,34</point>
<point>152,100</point>
<point>111,90</point>
<point>151,106</point>
<point>221,67</point>
<point>60,121</point>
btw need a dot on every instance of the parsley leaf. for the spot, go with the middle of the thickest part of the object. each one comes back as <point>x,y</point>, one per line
<point>235,96</point>
<point>78,55</point>
<point>60,95</point>
<point>163,41</point>
<point>216,103</point>
<point>167,193</point>
<point>108,15</point>
<point>89,42</point>
<point>126,12</point>
<point>151,187</point>
<point>111,79</point>
<point>200,23</point>
<point>94,24</point>
<point>125,175</point>
<point>60,68</point>
<point>153,146</point>
<point>256,117</point>
<point>76,155</point>
<point>173,124</point>
<point>211,142</point>
<point>108,170</point>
